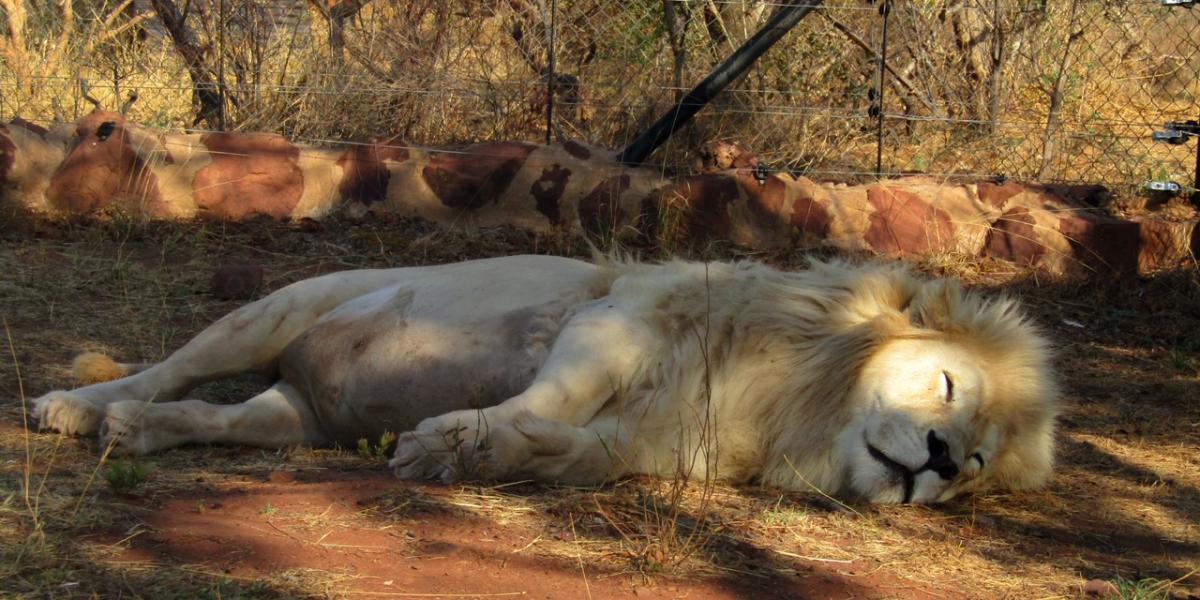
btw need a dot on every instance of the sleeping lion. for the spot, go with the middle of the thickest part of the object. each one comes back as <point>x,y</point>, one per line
<point>858,381</point>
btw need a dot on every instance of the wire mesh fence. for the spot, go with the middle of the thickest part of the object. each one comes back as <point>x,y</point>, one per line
<point>1070,90</point>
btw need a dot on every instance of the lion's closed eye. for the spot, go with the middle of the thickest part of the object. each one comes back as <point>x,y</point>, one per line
<point>973,465</point>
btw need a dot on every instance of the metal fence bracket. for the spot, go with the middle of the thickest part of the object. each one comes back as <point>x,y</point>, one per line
<point>1170,136</point>
<point>1177,132</point>
<point>1165,187</point>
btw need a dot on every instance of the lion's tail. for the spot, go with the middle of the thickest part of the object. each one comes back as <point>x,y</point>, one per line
<point>94,367</point>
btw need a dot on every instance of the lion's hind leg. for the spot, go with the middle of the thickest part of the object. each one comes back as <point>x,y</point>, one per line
<point>249,339</point>
<point>80,411</point>
<point>276,418</point>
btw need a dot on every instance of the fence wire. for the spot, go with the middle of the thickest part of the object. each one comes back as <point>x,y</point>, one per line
<point>1062,91</point>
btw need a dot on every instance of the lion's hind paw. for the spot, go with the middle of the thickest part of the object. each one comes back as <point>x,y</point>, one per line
<point>124,431</point>
<point>67,413</point>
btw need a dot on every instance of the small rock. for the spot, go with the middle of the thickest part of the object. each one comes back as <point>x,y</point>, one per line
<point>985,521</point>
<point>309,225</point>
<point>439,548</point>
<point>281,477</point>
<point>236,282</point>
<point>1102,588</point>
<point>641,592</point>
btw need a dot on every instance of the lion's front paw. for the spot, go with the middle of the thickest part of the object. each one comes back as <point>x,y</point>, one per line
<point>448,456</point>
<point>63,411</point>
<point>125,429</point>
<point>458,424</point>
<point>422,455</point>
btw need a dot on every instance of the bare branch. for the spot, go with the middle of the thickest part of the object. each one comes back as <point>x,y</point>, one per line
<point>17,20</point>
<point>109,32</point>
<point>13,49</point>
<point>335,13</point>
<point>1053,116</point>
<point>125,106</point>
<point>85,90</point>
<point>908,86</point>
<point>715,25</point>
<point>64,38</point>
<point>346,9</point>
<point>207,100</point>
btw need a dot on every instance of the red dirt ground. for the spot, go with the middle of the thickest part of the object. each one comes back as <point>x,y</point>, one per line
<point>244,530</point>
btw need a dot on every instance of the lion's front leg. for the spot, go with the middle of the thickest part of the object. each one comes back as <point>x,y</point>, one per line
<point>534,448</point>
<point>526,447</point>
<point>600,349</point>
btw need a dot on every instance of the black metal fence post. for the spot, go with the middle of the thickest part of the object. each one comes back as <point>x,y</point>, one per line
<point>780,23</point>
<point>885,9</point>
<point>1196,179</point>
<point>550,77</point>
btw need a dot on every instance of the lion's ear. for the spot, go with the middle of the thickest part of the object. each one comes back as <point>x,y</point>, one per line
<point>935,304</point>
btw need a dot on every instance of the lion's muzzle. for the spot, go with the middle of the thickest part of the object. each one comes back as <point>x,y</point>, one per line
<point>939,462</point>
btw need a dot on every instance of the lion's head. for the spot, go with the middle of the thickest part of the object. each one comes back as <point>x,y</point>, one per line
<point>955,397</point>
<point>938,391</point>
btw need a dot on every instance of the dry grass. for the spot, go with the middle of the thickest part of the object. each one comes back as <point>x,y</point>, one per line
<point>1123,504</point>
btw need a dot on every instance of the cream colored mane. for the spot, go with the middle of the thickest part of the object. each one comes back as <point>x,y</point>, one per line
<point>785,349</point>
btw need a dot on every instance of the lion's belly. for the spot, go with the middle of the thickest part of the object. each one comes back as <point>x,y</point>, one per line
<point>386,361</point>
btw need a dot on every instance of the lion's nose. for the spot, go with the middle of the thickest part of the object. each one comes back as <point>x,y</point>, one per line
<point>939,457</point>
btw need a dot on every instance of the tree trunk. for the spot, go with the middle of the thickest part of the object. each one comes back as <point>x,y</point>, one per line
<point>999,56</point>
<point>1053,117</point>
<point>337,11</point>
<point>206,98</point>
<point>677,20</point>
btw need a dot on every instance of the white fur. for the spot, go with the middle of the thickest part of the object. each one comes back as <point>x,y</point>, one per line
<point>799,380</point>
